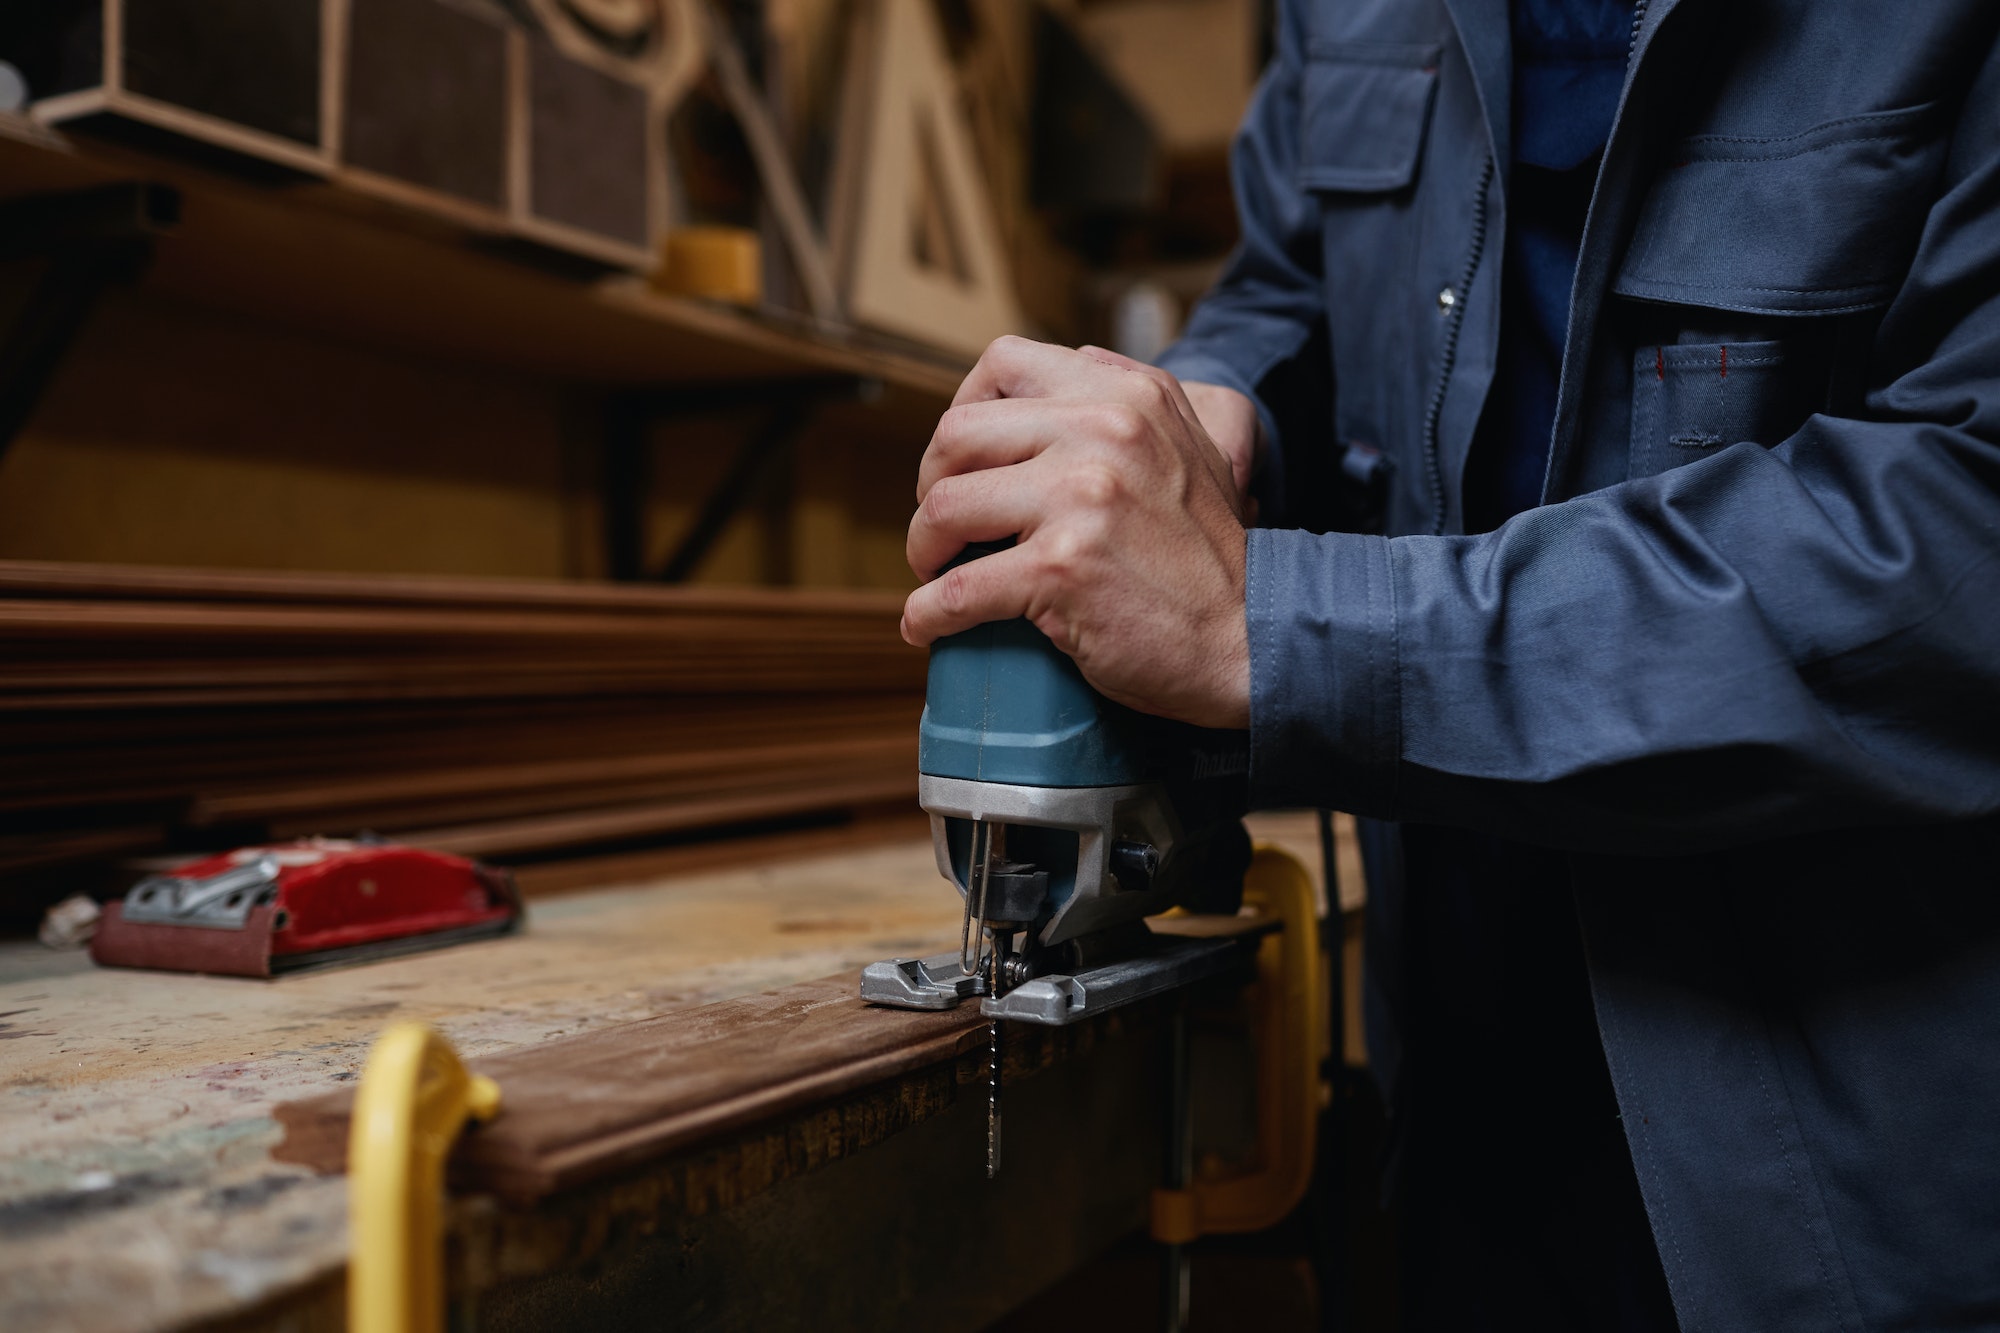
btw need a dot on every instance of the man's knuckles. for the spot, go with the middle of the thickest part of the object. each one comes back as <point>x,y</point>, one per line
<point>1008,359</point>
<point>1122,425</point>
<point>953,594</point>
<point>1149,394</point>
<point>937,530</point>
<point>943,505</point>
<point>1008,347</point>
<point>1062,552</point>
<point>1096,488</point>
<point>953,432</point>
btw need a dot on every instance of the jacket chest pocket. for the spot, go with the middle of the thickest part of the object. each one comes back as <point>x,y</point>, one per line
<point>1795,243</point>
<point>1364,113</point>
<point>1363,110</point>
<point>1692,399</point>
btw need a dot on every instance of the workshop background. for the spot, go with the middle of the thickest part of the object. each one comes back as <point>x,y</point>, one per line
<point>377,377</point>
<point>637,292</point>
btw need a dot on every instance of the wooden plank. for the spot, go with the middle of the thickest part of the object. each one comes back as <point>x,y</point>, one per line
<point>146,650</point>
<point>711,1238</point>
<point>114,582</point>
<point>488,718</point>
<point>621,822</point>
<point>869,1211</point>
<point>513,823</point>
<point>870,827</point>
<point>263,802</point>
<point>255,763</point>
<point>604,1102</point>
<point>590,1106</point>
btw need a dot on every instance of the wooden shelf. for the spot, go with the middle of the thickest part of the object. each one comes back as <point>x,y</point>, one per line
<point>308,256</point>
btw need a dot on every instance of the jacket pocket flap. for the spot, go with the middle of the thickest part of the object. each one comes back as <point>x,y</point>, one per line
<point>1818,222</point>
<point>1365,106</point>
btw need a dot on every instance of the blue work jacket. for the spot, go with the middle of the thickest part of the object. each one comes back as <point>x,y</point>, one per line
<point>1743,663</point>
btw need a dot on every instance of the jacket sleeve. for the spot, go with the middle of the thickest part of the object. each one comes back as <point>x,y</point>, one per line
<point>1764,642</point>
<point>1265,310</point>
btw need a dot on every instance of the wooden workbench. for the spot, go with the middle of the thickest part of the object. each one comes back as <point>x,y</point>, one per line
<point>136,1187</point>
<point>138,1190</point>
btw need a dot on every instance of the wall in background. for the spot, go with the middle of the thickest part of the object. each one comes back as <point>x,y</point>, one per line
<point>180,436</point>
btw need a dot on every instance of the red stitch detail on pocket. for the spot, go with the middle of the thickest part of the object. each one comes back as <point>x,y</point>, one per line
<point>1659,363</point>
<point>1725,361</point>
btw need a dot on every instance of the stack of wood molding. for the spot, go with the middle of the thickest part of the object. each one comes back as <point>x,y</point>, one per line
<point>146,710</point>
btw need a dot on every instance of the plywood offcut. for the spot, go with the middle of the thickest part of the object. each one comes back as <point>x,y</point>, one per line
<point>908,190</point>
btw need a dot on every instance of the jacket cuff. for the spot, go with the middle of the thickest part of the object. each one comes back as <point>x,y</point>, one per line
<point>1325,697</point>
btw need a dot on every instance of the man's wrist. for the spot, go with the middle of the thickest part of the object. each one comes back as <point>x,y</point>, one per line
<point>1231,420</point>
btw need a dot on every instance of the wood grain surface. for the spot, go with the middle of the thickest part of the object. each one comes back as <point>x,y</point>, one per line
<point>137,1110</point>
<point>603,1102</point>
<point>150,708</point>
<point>137,1188</point>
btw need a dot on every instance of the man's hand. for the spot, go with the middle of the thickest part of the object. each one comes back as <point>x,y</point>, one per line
<point>1231,421</point>
<point>1128,519</point>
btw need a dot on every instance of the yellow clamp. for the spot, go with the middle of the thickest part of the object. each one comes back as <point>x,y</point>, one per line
<point>414,1098</point>
<point>1290,1003</point>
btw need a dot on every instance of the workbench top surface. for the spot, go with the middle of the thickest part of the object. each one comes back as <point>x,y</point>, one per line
<point>136,1186</point>
<point>137,1190</point>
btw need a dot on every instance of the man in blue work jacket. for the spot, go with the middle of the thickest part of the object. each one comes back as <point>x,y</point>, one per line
<point>1644,363</point>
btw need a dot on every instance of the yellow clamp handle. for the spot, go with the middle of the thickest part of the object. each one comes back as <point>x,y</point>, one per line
<point>1289,999</point>
<point>414,1098</point>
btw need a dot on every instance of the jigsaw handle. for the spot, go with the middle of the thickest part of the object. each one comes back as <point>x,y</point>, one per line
<point>1004,704</point>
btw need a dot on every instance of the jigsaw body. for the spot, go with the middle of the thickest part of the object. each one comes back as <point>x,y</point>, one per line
<point>1064,820</point>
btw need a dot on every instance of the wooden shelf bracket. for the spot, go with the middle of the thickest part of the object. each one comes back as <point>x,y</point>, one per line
<point>627,470</point>
<point>88,239</point>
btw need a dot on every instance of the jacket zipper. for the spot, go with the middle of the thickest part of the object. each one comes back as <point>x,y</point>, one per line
<point>1433,460</point>
<point>1433,463</point>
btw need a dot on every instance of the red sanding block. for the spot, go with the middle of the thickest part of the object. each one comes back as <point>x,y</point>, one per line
<point>318,902</point>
